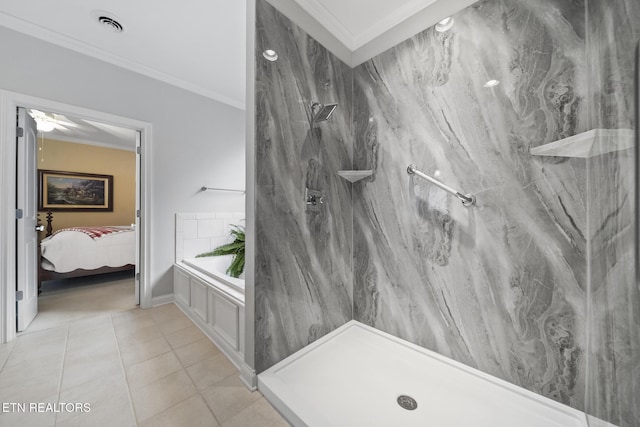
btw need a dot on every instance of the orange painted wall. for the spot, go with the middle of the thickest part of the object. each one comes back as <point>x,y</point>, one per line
<point>82,158</point>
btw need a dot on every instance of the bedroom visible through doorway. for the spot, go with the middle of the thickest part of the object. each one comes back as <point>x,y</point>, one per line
<point>87,198</point>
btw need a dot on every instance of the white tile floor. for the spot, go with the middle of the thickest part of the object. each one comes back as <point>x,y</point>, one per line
<point>134,367</point>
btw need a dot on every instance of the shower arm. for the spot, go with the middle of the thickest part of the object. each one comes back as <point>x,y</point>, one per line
<point>467,199</point>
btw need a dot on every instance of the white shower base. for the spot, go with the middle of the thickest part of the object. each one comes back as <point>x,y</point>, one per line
<point>354,375</point>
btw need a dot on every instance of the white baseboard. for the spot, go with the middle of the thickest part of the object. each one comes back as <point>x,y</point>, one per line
<point>161,300</point>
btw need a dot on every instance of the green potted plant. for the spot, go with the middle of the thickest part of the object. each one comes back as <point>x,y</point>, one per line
<point>235,248</point>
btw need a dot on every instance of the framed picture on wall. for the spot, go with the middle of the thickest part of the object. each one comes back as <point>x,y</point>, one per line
<point>70,191</point>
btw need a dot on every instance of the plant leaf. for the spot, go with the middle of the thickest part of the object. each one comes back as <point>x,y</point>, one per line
<point>236,248</point>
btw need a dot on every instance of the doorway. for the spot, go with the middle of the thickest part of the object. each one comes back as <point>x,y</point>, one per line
<point>86,205</point>
<point>10,261</point>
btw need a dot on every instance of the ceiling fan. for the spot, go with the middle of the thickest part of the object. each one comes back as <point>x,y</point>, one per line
<point>48,122</point>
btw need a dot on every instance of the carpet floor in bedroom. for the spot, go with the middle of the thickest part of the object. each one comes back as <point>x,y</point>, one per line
<point>132,367</point>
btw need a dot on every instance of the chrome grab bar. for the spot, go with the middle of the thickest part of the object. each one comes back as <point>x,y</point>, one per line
<point>467,199</point>
<point>221,189</point>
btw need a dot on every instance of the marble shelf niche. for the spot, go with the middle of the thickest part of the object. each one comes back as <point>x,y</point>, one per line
<point>355,175</point>
<point>588,144</point>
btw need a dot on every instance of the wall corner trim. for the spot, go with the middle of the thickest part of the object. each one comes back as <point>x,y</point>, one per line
<point>248,377</point>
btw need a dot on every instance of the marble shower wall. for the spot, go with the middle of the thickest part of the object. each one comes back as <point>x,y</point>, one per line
<point>500,286</point>
<point>503,286</point>
<point>613,389</point>
<point>303,263</point>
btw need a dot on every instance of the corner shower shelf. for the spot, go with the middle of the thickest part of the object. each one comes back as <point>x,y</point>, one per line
<point>588,144</point>
<point>355,175</point>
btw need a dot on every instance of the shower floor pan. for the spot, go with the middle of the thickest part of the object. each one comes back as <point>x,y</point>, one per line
<point>360,376</point>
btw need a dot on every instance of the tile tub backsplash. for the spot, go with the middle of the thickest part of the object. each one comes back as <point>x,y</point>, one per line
<point>202,232</point>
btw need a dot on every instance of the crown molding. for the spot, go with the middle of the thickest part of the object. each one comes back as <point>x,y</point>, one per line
<point>329,22</point>
<point>53,37</point>
<point>340,42</point>
<point>409,27</point>
<point>355,41</point>
<point>299,16</point>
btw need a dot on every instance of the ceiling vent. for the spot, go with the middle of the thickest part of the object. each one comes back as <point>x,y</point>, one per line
<point>111,24</point>
<point>107,21</point>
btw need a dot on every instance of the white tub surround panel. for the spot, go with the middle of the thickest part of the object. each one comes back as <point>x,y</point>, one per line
<point>372,369</point>
<point>216,308</point>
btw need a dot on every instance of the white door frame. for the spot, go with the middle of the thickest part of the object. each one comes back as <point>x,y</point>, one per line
<point>9,102</point>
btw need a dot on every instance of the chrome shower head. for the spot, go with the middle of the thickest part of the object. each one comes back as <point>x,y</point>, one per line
<point>321,112</point>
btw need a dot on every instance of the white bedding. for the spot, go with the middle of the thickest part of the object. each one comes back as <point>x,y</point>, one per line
<point>66,251</point>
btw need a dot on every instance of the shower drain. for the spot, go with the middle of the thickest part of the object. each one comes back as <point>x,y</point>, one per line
<point>407,402</point>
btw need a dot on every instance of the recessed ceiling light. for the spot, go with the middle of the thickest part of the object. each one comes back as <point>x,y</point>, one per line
<point>270,55</point>
<point>108,21</point>
<point>445,24</point>
<point>492,83</point>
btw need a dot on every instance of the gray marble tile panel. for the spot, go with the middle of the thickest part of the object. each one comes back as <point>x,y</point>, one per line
<point>614,304</point>
<point>500,286</point>
<point>303,266</point>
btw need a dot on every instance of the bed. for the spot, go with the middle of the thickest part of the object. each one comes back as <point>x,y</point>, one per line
<point>85,251</point>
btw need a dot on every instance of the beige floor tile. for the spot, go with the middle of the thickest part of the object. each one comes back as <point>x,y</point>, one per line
<point>196,351</point>
<point>192,412</point>
<point>43,337</point>
<point>149,371</point>
<point>165,308</point>
<point>175,325</point>
<point>127,315</point>
<point>93,346</point>
<point>138,334</point>
<point>228,397</point>
<point>38,346</point>
<point>162,394</point>
<point>38,354</point>
<point>31,391</point>
<point>98,324</point>
<point>115,413</point>
<point>211,370</point>
<point>258,414</point>
<point>133,325</point>
<point>85,369</point>
<point>185,336</point>
<point>29,418</point>
<point>167,313</point>
<point>5,351</point>
<point>79,303</point>
<point>141,351</point>
<point>102,394</point>
<point>30,381</point>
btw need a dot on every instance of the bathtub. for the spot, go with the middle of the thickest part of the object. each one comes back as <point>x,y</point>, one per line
<point>215,267</point>
<point>355,376</point>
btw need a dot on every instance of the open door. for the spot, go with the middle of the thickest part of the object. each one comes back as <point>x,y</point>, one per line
<point>137,215</point>
<point>26,221</point>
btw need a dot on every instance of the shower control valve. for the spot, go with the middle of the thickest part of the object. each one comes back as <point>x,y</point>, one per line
<point>313,199</point>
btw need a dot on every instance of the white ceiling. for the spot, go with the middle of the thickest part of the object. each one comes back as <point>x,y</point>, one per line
<point>84,131</point>
<point>357,22</point>
<point>199,45</point>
